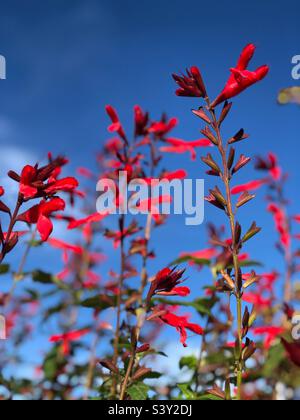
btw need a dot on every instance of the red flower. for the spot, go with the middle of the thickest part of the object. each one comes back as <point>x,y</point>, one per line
<point>267,280</point>
<point>257,300</point>
<point>64,246</point>
<point>205,254</point>
<point>269,164</point>
<point>250,186</point>
<point>166,282</point>
<point>241,78</point>
<point>116,126</point>
<point>113,145</point>
<point>65,185</point>
<point>166,176</point>
<point>270,333</point>
<point>180,146</point>
<point>85,172</point>
<point>117,236</point>
<point>28,177</point>
<point>170,176</point>
<point>33,180</point>
<point>2,192</point>
<point>141,120</point>
<point>40,214</point>
<point>163,127</point>
<point>190,85</point>
<point>93,218</point>
<point>282,224</point>
<point>293,350</point>
<point>181,324</point>
<point>67,338</point>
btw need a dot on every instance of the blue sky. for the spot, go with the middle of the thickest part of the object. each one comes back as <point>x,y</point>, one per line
<point>66,60</point>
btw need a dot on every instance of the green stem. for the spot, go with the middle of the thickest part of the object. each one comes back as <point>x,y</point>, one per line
<point>231,215</point>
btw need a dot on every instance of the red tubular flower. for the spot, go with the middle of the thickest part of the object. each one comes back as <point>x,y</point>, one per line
<point>33,180</point>
<point>241,78</point>
<point>163,127</point>
<point>180,146</point>
<point>166,282</point>
<point>181,324</point>
<point>28,177</point>
<point>250,186</point>
<point>141,120</point>
<point>2,192</point>
<point>293,350</point>
<point>116,126</point>
<point>191,84</point>
<point>87,173</point>
<point>257,300</point>
<point>270,333</point>
<point>205,254</point>
<point>282,225</point>
<point>170,176</point>
<point>93,218</point>
<point>68,184</point>
<point>67,338</point>
<point>40,215</point>
<point>58,244</point>
<point>267,280</point>
<point>269,164</point>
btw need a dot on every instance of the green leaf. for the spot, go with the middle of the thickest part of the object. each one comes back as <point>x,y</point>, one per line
<point>275,357</point>
<point>138,392</point>
<point>100,302</point>
<point>41,277</point>
<point>202,306</point>
<point>189,258</point>
<point>189,362</point>
<point>4,269</point>
<point>250,264</point>
<point>152,375</point>
<point>35,244</point>
<point>209,397</point>
<point>186,391</point>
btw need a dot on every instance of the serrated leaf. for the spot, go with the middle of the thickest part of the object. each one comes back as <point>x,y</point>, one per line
<point>138,392</point>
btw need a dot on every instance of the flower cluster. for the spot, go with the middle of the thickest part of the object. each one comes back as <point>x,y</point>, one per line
<point>36,183</point>
<point>230,260</point>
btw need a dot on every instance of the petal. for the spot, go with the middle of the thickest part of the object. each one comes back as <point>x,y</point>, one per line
<point>27,191</point>
<point>28,174</point>
<point>65,184</point>
<point>44,227</point>
<point>49,207</point>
